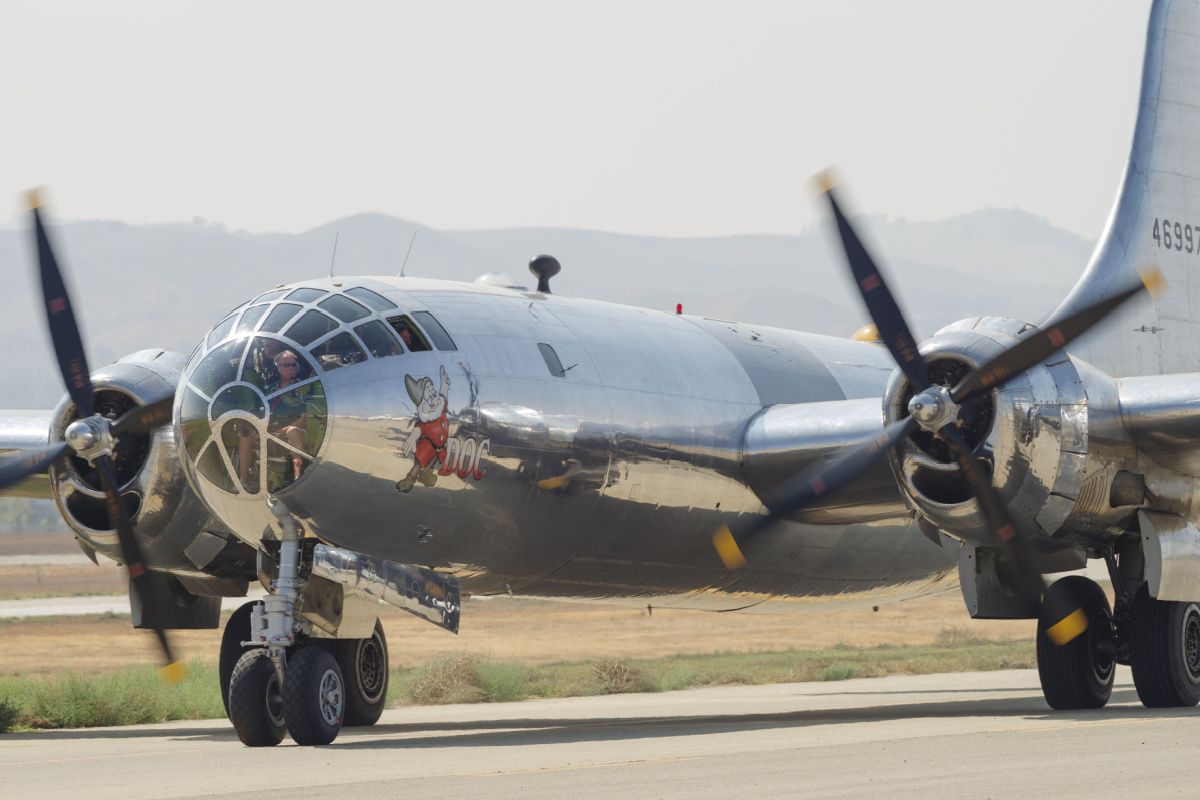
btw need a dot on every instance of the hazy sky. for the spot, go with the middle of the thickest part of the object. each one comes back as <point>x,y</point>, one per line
<point>672,118</point>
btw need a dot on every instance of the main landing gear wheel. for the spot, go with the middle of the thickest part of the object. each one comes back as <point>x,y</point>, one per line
<point>1165,645</point>
<point>1078,674</point>
<point>314,696</point>
<point>255,701</point>
<point>364,664</point>
<point>237,630</point>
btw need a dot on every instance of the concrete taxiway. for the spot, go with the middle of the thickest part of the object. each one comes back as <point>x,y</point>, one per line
<point>964,735</point>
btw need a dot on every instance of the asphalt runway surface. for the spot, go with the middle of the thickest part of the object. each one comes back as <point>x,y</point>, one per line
<point>965,735</point>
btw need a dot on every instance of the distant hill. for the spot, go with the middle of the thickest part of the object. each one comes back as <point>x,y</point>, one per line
<point>138,286</point>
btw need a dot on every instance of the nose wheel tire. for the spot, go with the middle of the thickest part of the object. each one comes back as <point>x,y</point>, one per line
<point>314,696</point>
<point>1165,649</point>
<point>237,630</point>
<point>1078,674</point>
<point>255,701</point>
<point>364,664</point>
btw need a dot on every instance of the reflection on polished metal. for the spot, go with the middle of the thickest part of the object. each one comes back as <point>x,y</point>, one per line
<point>933,409</point>
<point>423,592</point>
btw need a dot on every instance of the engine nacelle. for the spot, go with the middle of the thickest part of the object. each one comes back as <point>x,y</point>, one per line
<point>1060,458</point>
<point>176,532</point>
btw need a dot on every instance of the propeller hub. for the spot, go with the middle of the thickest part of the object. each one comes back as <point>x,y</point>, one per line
<point>90,437</point>
<point>933,409</point>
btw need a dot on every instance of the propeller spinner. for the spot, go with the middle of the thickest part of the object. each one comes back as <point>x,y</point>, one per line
<point>92,436</point>
<point>935,409</point>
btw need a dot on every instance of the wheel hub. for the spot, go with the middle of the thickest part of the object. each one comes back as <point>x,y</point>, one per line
<point>330,698</point>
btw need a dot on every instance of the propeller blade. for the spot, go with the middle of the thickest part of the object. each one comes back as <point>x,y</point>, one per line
<point>144,419</point>
<point>808,486</point>
<point>173,670</point>
<point>1041,344</point>
<point>881,304</point>
<point>64,331</point>
<point>1068,617</point>
<point>21,466</point>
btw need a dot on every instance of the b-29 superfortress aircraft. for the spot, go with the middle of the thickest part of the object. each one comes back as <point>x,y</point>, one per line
<point>346,441</point>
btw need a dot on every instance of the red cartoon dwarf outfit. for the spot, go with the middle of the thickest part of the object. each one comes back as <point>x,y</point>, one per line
<point>432,443</point>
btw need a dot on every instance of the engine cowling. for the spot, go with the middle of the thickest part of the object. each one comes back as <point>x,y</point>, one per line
<point>1052,436</point>
<point>175,530</point>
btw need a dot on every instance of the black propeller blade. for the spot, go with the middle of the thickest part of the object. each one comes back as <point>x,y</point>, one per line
<point>1069,620</point>
<point>1041,344</point>
<point>144,419</point>
<point>19,467</point>
<point>881,305</point>
<point>64,331</point>
<point>810,485</point>
<point>68,347</point>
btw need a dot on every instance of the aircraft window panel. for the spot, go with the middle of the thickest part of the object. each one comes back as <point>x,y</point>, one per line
<point>240,440</point>
<point>261,368</point>
<point>250,318</point>
<point>238,398</point>
<point>552,361</point>
<point>279,317</point>
<point>441,339</point>
<point>193,413</point>
<point>338,351</point>
<point>379,339</point>
<point>212,467</point>
<point>343,308</point>
<point>221,331</point>
<point>374,300</point>
<point>310,327</point>
<point>409,333</point>
<point>219,367</point>
<point>306,295</point>
<point>274,294</point>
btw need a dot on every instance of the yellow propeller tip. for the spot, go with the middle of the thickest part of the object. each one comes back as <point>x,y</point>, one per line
<point>557,482</point>
<point>173,673</point>
<point>1153,280</point>
<point>727,548</point>
<point>1067,628</point>
<point>33,199</point>
<point>825,180</point>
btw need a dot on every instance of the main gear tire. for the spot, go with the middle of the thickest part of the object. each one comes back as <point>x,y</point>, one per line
<point>1165,649</point>
<point>256,706</point>
<point>1078,674</point>
<point>314,696</point>
<point>237,630</point>
<point>364,664</point>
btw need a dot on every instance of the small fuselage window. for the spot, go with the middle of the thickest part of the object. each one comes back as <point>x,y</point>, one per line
<point>409,333</point>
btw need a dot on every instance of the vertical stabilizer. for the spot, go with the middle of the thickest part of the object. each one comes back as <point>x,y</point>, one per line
<point>1156,218</point>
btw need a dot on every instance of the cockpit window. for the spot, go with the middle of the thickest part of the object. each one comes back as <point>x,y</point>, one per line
<point>279,317</point>
<point>379,339</point>
<point>343,308</point>
<point>338,351</point>
<point>312,326</point>
<point>441,339</point>
<point>271,295</point>
<point>306,295</point>
<point>261,369</point>
<point>250,318</point>
<point>409,333</point>
<point>218,367</point>
<point>221,331</point>
<point>376,301</point>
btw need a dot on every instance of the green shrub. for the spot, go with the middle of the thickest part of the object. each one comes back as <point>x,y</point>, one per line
<point>838,672</point>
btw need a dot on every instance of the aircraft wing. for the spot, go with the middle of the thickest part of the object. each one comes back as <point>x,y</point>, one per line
<point>1161,413</point>
<point>26,430</point>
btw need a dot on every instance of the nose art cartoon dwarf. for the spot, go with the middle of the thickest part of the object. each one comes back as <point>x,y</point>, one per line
<point>426,443</point>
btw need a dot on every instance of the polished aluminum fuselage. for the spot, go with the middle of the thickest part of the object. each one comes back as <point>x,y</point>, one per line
<point>605,480</point>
